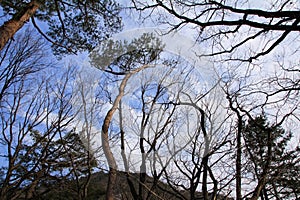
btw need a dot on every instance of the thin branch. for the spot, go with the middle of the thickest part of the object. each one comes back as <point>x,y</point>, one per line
<point>48,39</point>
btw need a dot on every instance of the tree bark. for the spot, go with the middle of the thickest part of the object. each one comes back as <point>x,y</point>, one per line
<point>239,160</point>
<point>105,139</point>
<point>238,163</point>
<point>10,27</point>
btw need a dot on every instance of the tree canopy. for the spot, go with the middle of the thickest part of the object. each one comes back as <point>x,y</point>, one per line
<point>70,26</point>
<point>149,114</point>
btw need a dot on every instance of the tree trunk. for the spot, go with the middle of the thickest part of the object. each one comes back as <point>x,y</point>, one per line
<point>10,27</point>
<point>239,160</point>
<point>112,179</point>
<point>263,179</point>
<point>129,182</point>
<point>204,185</point>
<point>143,166</point>
<point>238,163</point>
<point>206,156</point>
<point>105,143</point>
<point>110,159</point>
<point>105,139</point>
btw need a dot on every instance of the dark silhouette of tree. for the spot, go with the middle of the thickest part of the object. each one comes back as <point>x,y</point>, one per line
<point>72,164</point>
<point>39,149</point>
<point>19,62</point>
<point>229,25</point>
<point>238,161</point>
<point>270,161</point>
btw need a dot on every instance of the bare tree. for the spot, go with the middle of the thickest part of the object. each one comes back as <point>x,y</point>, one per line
<point>145,135</point>
<point>20,59</point>
<point>88,106</point>
<point>41,148</point>
<point>244,101</point>
<point>121,58</point>
<point>208,143</point>
<point>245,37</point>
<point>27,123</point>
<point>230,25</point>
<point>153,135</point>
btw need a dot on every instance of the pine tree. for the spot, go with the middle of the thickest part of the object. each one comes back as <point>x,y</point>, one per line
<point>266,148</point>
<point>71,25</point>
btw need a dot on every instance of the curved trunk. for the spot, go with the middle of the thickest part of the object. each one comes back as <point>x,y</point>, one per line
<point>10,27</point>
<point>105,139</point>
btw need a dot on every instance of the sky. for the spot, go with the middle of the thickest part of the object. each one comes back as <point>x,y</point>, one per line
<point>179,44</point>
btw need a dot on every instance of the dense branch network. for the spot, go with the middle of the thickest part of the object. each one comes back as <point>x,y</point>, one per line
<point>217,21</point>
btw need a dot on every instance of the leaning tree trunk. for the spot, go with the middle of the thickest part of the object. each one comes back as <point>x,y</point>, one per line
<point>10,27</point>
<point>105,139</point>
<point>112,177</point>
